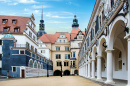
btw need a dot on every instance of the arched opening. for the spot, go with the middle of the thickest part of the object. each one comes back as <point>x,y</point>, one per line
<point>35,64</point>
<point>76,72</point>
<point>57,73</point>
<point>103,54</point>
<point>30,63</point>
<point>119,44</point>
<point>39,65</point>
<point>66,72</point>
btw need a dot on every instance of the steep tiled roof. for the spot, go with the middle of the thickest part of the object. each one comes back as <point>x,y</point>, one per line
<point>75,30</point>
<point>21,23</point>
<point>51,38</point>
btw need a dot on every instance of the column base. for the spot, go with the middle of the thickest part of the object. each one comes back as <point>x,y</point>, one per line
<point>93,78</point>
<point>110,82</point>
<point>89,77</point>
<point>99,79</point>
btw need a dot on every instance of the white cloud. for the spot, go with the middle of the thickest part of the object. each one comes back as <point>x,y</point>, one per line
<point>12,3</point>
<point>56,22</point>
<point>27,1</point>
<point>36,11</point>
<point>36,7</point>
<point>15,2</point>
<point>56,15</point>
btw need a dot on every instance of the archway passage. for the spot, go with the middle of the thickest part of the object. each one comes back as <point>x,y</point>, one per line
<point>66,72</point>
<point>57,73</point>
<point>76,72</point>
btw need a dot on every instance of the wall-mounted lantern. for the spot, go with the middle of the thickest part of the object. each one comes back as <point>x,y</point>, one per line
<point>104,44</point>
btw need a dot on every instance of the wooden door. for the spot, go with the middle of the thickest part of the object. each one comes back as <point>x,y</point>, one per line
<point>23,74</point>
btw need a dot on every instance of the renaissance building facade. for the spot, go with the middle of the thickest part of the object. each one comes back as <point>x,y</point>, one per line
<point>105,50</point>
<point>19,48</point>
<point>64,48</point>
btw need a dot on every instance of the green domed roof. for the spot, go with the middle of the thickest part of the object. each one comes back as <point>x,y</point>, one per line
<point>8,36</point>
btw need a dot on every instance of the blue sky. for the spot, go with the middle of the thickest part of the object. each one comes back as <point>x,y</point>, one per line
<point>58,14</point>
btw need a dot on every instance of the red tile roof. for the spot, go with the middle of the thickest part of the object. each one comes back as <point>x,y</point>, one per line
<point>51,38</point>
<point>20,22</point>
<point>75,30</point>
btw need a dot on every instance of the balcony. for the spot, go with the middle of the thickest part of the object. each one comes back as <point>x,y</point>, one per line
<point>72,66</point>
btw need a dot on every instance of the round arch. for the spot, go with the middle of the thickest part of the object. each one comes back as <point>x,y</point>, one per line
<point>94,51</point>
<point>100,46</point>
<point>35,64</point>
<point>30,64</point>
<point>116,24</point>
<point>66,72</point>
<point>57,73</point>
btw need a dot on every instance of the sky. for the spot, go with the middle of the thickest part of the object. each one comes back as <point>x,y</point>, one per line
<point>57,14</point>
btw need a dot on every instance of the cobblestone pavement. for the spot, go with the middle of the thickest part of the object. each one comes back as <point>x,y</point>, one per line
<point>50,81</point>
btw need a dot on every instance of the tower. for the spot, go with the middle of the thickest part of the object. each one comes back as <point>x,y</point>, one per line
<point>75,22</point>
<point>41,26</point>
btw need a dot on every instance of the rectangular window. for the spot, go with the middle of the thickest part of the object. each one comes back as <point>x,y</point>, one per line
<point>13,21</point>
<point>4,21</point>
<point>66,48</point>
<point>16,29</point>
<point>42,51</point>
<point>57,48</point>
<point>32,48</point>
<point>73,54</point>
<point>58,56</point>
<point>34,38</point>
<point>58,63</point>
<point>67,56</point>
<point>13,69</point>
<point>21,51</point>
<point>73,63</point>
<point>6,29</point>
<point>0,42</point>
<point>65,63</point>
<point>30,34</point>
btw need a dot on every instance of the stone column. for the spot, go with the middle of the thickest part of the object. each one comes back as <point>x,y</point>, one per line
<point>109,67</point>
<point>128,50</point>
<point>93,69</point>
<point>99,72</point>
<point>88,69</point>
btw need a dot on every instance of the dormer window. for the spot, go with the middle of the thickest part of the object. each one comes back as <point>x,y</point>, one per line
<point>112,3</point>
<point>16,29</point>
<point>6,29</point>
<point>4,21</point>
<point>13,21</point>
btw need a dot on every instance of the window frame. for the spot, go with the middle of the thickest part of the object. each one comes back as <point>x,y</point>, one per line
<point>20,52</point>
<point>13,69</point>
<point>57,48</point>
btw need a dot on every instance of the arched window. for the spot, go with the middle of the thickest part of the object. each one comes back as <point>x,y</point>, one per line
<point>41,66</point>
<point>30,63</point>
<point>35,64</point>
<point>38,65</point>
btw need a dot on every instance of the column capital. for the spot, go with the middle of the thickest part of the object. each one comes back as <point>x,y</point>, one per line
<point>93,60</point>
<point>109,50</point>
<point>99,57</point>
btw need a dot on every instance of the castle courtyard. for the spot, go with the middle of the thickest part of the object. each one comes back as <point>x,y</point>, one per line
<point>49,81</point>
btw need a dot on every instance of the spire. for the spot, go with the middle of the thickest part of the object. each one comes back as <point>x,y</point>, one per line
<point>42,13</point>
<point>75,22</point>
